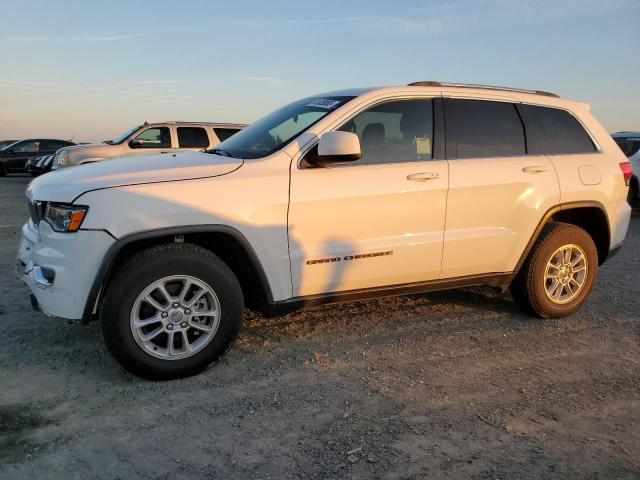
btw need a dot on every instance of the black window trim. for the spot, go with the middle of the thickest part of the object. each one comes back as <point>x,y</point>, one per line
<point>438,131</point>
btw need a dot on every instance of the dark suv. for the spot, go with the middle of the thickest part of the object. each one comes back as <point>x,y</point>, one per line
<point>13,158</point>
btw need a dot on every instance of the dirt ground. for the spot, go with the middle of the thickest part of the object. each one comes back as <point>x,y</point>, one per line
<point>459,384</point>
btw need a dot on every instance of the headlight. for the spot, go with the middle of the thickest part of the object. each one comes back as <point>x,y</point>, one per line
<point>62,159</point>
<point>64,218</point>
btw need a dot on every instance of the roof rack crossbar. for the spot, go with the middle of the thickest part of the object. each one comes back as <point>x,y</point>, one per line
<point>432,83</point>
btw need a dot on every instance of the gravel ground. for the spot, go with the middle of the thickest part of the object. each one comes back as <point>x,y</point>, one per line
<point>458,384</point>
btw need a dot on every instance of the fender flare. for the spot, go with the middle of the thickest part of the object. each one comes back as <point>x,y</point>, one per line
<point>546,218</point>
<point>114,250</point>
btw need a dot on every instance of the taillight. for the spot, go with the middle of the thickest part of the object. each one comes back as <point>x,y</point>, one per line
<point>627,171</point>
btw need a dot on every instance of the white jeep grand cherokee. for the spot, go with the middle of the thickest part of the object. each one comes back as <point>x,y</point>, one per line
<point>340,196</point>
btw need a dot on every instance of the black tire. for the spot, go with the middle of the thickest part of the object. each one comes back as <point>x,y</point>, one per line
<point>142,270</point>
<point>529,287</point>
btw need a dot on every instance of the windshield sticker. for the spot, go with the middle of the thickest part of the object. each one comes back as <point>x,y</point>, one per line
<point>326,103</point>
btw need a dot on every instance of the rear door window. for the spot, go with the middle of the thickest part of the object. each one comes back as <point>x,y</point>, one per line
<point>556,131</point>
<point>224,133</point>
<point>192,137</point>
<point>480,128</point>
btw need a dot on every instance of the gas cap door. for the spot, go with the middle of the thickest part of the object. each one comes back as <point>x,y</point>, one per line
<point>589,174</point>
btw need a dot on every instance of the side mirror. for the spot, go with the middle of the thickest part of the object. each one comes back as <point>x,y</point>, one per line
<point>337,147</point>
<point>135,143</point>
<point>11,151</point>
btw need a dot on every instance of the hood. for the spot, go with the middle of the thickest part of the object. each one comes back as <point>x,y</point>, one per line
<point>67,184</point>
<point>83,145</point>
<point>98,151</point>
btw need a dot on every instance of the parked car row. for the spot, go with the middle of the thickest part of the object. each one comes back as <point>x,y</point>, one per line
<point>38,156</point>
<point>149,138</point>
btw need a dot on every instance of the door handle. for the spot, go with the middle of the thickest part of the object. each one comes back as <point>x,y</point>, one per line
<point>423,176</point>
<point>535,169</point>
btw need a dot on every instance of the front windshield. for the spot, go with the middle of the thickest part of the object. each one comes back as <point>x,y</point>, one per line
<point>124,136</point>
<point>6,144</point>
<point>271,133</point>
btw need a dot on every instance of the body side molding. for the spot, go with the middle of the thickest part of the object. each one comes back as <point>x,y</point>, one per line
<point>283,307</point>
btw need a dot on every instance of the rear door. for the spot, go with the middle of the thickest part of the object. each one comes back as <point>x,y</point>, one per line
<point>499,188</point>
<point>581,168</point>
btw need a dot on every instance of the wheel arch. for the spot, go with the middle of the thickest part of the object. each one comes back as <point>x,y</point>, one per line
<point>226,242</point>
<point>588,215</point>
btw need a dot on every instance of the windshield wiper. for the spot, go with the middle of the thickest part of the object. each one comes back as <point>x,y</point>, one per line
<point>108,142</point>
<point>218,151</point>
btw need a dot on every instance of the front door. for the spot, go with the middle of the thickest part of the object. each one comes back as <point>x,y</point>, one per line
<point>150,140</point>
<point>377,221</point>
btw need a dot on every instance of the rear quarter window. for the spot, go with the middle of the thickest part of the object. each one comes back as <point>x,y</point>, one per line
<point>224,133</point>
<point>556,131</point>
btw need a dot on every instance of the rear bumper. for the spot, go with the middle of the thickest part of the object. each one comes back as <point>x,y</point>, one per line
<point>619,217</point>
<point>59,268</point>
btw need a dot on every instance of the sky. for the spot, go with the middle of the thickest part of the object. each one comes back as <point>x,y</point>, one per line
<point>89,70</point>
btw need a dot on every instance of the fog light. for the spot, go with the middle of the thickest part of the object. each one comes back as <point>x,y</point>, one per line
<point>43,275</point>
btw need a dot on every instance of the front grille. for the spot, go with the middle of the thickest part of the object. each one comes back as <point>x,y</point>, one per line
<point>36,211</point>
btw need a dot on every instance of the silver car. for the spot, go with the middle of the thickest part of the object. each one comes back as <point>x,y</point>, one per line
<point>149,138</point>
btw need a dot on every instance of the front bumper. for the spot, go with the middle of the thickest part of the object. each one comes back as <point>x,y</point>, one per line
<point>59,268</point>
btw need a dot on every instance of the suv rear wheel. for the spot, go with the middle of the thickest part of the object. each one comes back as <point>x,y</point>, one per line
<point>170,311</point>
<point>559,273</point>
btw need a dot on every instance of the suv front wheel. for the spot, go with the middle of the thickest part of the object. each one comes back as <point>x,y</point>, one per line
<point>170,311</point>
<point>559,272</point>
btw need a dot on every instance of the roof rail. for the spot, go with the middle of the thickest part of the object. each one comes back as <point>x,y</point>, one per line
<point>181,122</point>
<point>431,83</point>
